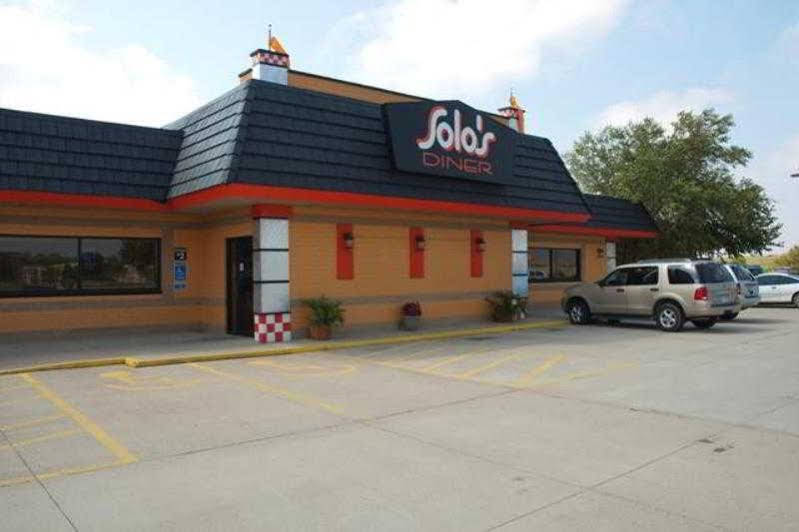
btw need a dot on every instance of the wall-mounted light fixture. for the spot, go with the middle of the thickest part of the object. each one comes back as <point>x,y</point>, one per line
<point>420,243</point>
<point>480,244</point>
<point>349,240</point>
<point>600,252</point>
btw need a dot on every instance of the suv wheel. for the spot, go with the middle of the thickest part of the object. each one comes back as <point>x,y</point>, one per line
<point>706,323</point>
<point>579,313</point>
<point>796,300</point>
<point>669,317</point>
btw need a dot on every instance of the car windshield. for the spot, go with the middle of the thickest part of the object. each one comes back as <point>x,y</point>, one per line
<point>710,273</point>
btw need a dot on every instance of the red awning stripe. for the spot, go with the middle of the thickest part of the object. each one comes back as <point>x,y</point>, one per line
<point>609,232</point>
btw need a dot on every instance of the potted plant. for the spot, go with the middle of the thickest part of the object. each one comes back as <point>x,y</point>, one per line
<point>411,315</point>
<point>325,314</point>
<point>507,306</point>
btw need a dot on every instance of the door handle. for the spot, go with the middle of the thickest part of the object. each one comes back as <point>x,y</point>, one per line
<point>620,289</point>
<point>654,289</point>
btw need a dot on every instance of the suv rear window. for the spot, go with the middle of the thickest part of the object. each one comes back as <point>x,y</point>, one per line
<point>710,272</point>
<point>742,273</point>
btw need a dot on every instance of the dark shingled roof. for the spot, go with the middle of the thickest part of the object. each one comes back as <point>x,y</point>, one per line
<point>616,213</point>
<point>73,156</point>
<point>269,134</point>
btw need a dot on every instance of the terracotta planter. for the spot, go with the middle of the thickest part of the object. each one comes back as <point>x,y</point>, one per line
<point>320,332</point>
<point>410,323</point>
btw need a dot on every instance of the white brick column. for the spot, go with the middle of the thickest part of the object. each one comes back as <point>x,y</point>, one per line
<point>519,265</point>
<point>271,301</point>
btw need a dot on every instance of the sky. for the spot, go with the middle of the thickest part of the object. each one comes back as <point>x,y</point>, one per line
<point>574,65</point>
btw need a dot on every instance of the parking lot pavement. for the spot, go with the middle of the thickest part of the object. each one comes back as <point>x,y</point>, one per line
<point>584,428</point>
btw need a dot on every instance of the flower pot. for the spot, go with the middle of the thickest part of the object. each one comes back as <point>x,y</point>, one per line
<point>320,332</point>
<point>410,323</point>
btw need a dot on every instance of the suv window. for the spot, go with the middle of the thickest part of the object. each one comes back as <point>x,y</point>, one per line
<point>617,278</point>
<point>645,275</point>
<point>680,276</point>
<point>741,273</point>
<point>710,272</point>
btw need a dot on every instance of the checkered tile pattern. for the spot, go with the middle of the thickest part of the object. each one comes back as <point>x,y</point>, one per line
<point>271,328</point>
<point>271,58</point>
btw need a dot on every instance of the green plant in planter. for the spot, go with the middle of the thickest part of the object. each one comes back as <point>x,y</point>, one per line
<point>325,314</point>
<point>507,306</point>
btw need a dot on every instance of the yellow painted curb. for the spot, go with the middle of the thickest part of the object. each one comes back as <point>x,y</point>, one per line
<point>74,364</point>
<point>134,362</point>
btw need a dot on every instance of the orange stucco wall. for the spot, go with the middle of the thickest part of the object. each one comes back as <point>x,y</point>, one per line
<point>382,280</point>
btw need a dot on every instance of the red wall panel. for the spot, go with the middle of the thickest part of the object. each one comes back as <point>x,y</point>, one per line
<point>476,255</point>
<point>345,257</point>
<point>416,255</point>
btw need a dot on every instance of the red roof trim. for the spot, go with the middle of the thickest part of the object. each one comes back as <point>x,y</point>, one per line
<point>302,195</point>
<point>71,200</point>
<point>598,231</point>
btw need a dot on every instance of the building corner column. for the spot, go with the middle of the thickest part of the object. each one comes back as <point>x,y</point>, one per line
<point>271,290</point>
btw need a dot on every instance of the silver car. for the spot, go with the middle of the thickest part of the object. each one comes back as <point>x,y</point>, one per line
<point>672,291</point>
<point>748,289</point>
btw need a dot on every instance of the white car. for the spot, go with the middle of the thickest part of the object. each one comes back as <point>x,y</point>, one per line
<point>779,288</point>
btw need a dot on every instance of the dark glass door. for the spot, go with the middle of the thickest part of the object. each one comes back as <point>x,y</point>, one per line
<point>239,286</point>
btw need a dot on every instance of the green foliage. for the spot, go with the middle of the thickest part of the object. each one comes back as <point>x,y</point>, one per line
<point>325,311</point>
<point>789,259</point>
<point>507,306</point>
<point>684,177</point>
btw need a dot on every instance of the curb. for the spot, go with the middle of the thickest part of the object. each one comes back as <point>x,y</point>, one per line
<point>134,362</point>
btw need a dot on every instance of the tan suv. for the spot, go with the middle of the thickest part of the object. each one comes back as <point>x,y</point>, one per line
<point>669,290</point>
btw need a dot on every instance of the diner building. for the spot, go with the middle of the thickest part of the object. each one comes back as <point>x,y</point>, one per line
<point>290,186</point>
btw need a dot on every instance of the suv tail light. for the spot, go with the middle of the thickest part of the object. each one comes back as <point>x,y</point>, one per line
<point>701,294</point>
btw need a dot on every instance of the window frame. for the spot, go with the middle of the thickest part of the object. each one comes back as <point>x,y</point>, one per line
<point>549,251</point>
<point>80,291</point>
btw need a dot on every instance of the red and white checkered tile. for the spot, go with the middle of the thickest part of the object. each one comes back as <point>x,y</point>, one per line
<point>271,328</point>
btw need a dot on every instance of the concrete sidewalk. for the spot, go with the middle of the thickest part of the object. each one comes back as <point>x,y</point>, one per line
<point>108,348</point>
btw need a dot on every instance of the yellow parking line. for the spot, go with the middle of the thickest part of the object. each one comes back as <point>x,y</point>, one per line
<point>305,400</point>
<point>537,371</point>
<point>31,422</point>
<point>117,449</point>
<point>498,362</point>
<point>586,374</point>
<point>447,361</point>
<point>60,473</point>
<point>46,437</point>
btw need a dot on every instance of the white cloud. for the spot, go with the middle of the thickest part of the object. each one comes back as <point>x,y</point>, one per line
<point>457,48</point>
<point>663,106</point>
<point>46,67</point>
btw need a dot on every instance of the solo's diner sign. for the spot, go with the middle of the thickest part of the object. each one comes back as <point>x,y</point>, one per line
<point>450,139</point>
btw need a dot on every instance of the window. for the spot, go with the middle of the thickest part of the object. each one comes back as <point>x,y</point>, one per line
<point>643,276</point>
<point>51,266</point>
<point>742,273</point>
<point>767,280</point>
<point>710,272</point>
<point>617,278</point>
<point>680,276</point>
<point>554,265</point>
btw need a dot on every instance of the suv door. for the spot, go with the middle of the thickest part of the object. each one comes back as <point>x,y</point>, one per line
<point>611,296</point>
<point>642,289</point>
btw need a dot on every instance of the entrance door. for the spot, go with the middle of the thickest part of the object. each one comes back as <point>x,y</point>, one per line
<point>239,286</point>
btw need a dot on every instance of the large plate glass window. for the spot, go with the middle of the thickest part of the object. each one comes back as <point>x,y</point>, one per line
<point>554,265</point>
<point>53,266</point>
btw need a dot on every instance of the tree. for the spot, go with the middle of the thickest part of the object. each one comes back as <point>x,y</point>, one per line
<point>789,259</point>
<point>684,177</point>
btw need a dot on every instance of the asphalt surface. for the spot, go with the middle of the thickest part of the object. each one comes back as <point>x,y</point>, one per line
<point>574,428</point>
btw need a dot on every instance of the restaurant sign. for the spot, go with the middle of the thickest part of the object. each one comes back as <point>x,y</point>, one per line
<point>450,139</point>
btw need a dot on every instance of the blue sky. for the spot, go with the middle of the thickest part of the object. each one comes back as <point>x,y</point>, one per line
<point>575,65</point>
